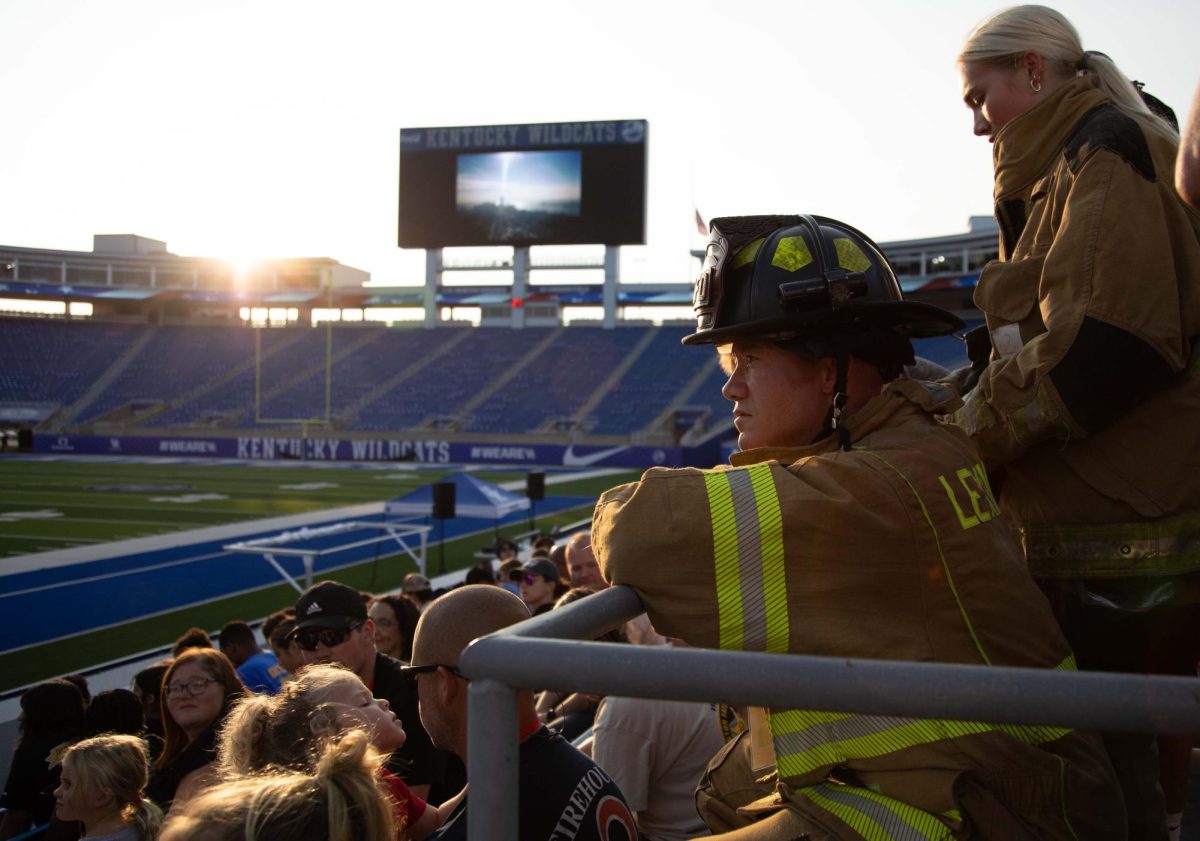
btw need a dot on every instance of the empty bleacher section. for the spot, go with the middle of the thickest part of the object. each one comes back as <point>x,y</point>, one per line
<point>58,361</point>
<point>567,383</point>
<point>662,369</point>
<point>222,391</point>
<point>439,388</point>
<point>555,383</point>
<point>703,407</point>
<point>177,361</point>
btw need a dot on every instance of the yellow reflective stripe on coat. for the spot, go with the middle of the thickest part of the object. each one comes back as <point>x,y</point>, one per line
<point>747,529</point>
<point>805,740</point>
<point>877,817</point>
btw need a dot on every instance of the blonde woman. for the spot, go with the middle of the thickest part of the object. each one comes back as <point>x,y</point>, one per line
<point>293,729</point>
<point>1085,411</point>
<point>103,786</point>
<point>339,799</point>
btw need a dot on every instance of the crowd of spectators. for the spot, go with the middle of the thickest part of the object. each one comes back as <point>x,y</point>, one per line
<point>278,705</point>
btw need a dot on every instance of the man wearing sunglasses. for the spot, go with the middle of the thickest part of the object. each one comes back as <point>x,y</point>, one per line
<point>332,626</point>
<point>562,792</point>
<point>853,523</point>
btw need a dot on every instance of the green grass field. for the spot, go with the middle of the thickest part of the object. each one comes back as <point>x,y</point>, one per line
<point>48,505</point>
<point>93,510</point>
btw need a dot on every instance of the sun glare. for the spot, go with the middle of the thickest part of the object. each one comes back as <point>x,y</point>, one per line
<point>243,269</point>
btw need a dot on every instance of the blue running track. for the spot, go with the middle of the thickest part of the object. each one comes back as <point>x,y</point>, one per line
<point>44,605</point>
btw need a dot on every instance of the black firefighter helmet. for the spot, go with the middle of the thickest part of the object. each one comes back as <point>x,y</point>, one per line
<point>817,287</point>
<point>802,279</point>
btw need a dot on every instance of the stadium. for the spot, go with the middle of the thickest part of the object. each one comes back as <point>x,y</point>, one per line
<point>140,386</point>
<point>189,442</point>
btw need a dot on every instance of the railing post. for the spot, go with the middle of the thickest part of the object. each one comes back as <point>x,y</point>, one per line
<point>492,761</point>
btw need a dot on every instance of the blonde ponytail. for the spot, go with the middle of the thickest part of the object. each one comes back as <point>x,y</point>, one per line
<point>341,800</point>
<point>1122,92</point>
<point>348,790</point>
<point>1006,36</point>
<point>242,734</point>
<point>145,817</point>
<point>120,764</point>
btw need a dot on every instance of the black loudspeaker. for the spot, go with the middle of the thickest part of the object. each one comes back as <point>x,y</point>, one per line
<point>443,500</point>
<point>535,486</point>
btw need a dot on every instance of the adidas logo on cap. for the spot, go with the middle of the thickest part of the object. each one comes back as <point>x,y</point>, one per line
<point>312,608</point>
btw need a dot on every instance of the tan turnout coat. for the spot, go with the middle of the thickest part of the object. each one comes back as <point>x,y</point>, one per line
<point>1087,414</point>
<point>893,550</point>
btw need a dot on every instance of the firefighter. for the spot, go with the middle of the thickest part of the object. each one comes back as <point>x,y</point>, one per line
<point>853,523</point>
<point>1088,371</point>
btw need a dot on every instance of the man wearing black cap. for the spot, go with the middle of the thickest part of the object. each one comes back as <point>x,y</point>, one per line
<point>332,626</point>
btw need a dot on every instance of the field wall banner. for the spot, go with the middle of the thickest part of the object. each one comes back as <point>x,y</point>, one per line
<point>267,447</point>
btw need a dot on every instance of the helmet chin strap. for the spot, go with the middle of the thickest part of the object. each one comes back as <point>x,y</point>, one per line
<point>835,420</point>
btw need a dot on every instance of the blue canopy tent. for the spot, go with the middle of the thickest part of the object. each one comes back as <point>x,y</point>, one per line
<point>473,498</point>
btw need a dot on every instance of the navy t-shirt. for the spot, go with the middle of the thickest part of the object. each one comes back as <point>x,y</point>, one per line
<point>564,796</point>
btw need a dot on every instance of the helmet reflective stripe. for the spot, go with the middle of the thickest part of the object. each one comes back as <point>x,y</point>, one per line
<point>877,817</point>
<point>791,254</point>
<point>747,254</point>
<point>849,256</point>
<point>747,529</point>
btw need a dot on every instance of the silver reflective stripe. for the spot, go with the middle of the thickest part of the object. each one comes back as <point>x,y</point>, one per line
<point>754,608</point>
<point>876,817</point>
<point>837,730</point>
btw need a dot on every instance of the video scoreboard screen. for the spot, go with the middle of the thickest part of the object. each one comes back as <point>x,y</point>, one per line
<point>535,184</point>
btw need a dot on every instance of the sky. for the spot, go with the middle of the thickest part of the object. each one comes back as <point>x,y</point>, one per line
<point>260,129</point>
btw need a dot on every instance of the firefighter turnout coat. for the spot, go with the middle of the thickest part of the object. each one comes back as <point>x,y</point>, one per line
<point>893,550</point>
<point>1086,414</point>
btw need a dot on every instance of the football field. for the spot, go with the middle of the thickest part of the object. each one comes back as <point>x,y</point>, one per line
<point>59,502</point>
<point>71,615</point>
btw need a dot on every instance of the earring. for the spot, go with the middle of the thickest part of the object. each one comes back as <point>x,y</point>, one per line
<point>1035,84</point>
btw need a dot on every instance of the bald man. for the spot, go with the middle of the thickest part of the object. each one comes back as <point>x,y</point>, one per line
<point>581,563</point>
<point>562,793</point>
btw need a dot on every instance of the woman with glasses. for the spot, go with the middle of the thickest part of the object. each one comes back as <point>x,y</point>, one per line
<point>198,690</point>
<point>395,620</point>
<point>1085,411</point>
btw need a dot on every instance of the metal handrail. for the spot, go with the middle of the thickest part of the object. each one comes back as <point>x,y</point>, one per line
<point>545,652</point>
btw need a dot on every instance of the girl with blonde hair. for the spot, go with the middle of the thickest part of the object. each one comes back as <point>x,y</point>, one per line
<point>103,785</point>
<point>338,799</point>
<point>293,730</point>
<point>1083,411</point>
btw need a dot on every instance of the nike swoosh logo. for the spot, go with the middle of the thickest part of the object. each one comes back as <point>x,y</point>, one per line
<point>572,460</point>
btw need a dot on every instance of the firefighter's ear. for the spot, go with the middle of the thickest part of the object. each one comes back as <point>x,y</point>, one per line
<point>826,371</point>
